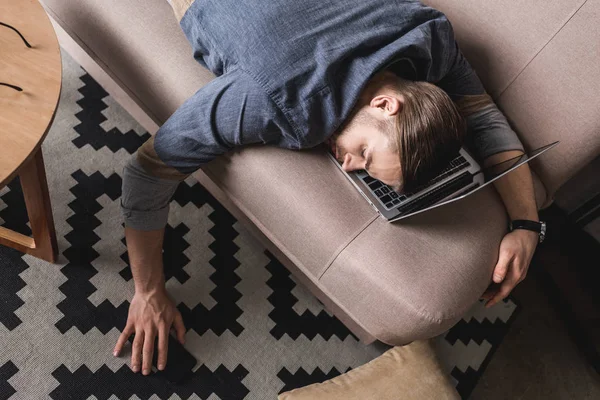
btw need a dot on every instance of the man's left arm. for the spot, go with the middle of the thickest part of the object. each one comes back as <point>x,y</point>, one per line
<point>517,247</point>
<point>491,139</point>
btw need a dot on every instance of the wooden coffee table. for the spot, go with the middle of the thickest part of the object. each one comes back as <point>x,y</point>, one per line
<point>26,116</point>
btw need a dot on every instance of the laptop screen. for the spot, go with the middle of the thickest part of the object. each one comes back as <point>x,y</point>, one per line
<point>491,172</point>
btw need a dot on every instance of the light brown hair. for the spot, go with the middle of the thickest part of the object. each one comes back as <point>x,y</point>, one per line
<point>427,133</point>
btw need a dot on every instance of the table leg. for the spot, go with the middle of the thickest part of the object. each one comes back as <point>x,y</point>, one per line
<point>37,200</point>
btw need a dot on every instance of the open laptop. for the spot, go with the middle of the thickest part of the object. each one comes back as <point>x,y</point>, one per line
<point>460,178</point>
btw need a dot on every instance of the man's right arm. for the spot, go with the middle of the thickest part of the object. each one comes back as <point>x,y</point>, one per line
<point>145,207</point>
<point>231,110</point>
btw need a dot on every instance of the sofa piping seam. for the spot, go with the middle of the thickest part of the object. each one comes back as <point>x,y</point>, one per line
<point>540,50</point>
<point>345,245</point>
<point>419,313</point>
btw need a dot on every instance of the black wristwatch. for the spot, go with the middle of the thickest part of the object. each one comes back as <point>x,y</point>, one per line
<point>539,227</point>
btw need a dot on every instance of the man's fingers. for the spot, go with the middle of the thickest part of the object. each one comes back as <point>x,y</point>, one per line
<point>507,286</point>
<point>488,295</point>
<point>502,266</point>
<point>136,350</point>
<point>498,297</point>
<point>127,331</point>
<point>490,291</point>
<point>163,348</point>
<point>148,352</point>
<point>179,327</point>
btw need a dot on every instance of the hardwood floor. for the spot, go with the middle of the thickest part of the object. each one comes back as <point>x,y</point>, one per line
<point>551,351</point>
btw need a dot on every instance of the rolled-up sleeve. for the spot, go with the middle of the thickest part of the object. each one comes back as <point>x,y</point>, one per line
<point>488,131</point>
<point>145,198</point>
<point>230,111</point>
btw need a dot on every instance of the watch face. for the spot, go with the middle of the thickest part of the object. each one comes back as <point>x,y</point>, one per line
<point>542,231</point>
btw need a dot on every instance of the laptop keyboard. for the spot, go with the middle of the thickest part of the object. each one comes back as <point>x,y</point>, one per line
<point>437,194</point>
<point>391,199</point>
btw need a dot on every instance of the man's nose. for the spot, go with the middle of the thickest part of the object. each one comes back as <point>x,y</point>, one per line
<point>351,163</point>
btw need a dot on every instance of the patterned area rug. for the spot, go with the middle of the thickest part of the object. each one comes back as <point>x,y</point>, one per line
<point>253,329</point>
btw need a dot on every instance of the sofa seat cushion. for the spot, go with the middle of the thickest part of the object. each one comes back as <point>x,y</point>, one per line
<point>417,278</point>
<point>298,199</point>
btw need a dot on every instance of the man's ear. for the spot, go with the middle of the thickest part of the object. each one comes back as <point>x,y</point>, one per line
<point>390,104</point>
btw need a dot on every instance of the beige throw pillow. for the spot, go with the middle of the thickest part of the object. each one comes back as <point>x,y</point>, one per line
<point>410,372</point>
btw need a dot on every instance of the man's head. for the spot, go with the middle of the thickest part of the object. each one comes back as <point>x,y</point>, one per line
<point>402,132</point>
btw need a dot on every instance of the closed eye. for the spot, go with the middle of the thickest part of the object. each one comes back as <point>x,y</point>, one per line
<point>369,158</point>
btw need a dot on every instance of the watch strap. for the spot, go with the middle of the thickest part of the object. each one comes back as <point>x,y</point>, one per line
<point>526,224</point>
<point>539,227</point>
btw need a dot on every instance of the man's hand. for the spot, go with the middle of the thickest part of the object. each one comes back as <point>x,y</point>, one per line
<point>516,251</point>
<point>518,246</point>
<point>150,314</point>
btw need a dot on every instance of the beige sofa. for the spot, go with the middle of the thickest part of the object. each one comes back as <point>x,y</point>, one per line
<point>393,282</point>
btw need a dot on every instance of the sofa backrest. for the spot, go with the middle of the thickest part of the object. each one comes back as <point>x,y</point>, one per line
<point>538,59</point>
<point>540,62</point>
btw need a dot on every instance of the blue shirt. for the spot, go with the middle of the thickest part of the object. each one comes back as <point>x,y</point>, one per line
<point>289,73</point>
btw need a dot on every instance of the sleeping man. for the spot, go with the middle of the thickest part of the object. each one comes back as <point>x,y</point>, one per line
<point>383,83</point>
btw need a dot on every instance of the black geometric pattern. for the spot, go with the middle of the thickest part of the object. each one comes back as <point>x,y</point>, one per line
<point>223,316</point>
<point>15,214</point>
<point>124,384</point>
<point>239,310</point>
<point>466,381</point>
<point>6,372</point>
<point>302,378</point>
<point>90,117</point>
<point>287,320</point>
<point>476,331</point>
<point>77,309</point>
<point>11,265</point>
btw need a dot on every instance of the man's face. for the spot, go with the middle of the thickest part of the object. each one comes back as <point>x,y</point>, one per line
<point>364,146</point>
<point>362,142</point>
